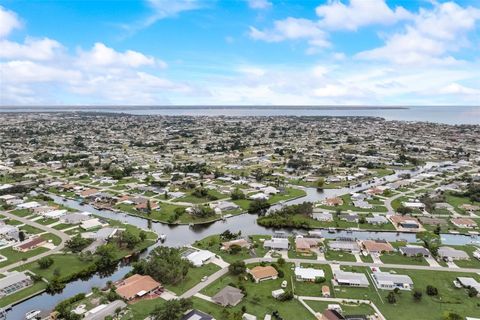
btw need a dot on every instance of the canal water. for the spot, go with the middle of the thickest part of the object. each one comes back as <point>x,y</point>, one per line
<point>181,235</point>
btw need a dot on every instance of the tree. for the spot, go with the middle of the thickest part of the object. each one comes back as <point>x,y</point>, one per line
<point>452,316</point>
<point>142,235</point>
<point>432,291</point>
<point>417,295</point>
<point>165,265</point>
<point>281,261</point>
<point>391,298</point>
<point>472,292</point>
<point>237,267</point>
<point>21,236</point>
<point>258,206</point>
<point>320,183</point>
<point>77,243</point>
<point>128,239</point>
<point>171,310</point>
<point>149,207</point>
<point>237,194</point>
<point>234,249</point>
<point>105,257</point>
<point>45,262</point>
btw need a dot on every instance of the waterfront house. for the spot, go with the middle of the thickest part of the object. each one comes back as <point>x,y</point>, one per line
<point>137,286</point>
<point>464,223</point>
<point>414,251</point>
<point>14,281</point>
<point>451,254</point>
<point>377,247</point>
<point>348,246</point>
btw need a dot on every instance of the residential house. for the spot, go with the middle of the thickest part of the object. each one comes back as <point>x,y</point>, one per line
<point>377,219</point>
<point>308,274</point>
<point>196,315</point>
<point>305,245</point>
<point>348,246</point>
<point>104,311</point>
<point>277,244</point>
<point>74,218</point>
<point>199,257</point>
<point>8,232</point>
<point>414,251</point>
<point>30,244</point>
<point>349,217</point>
<point>406,222</point>
<point>137,286</point>
<point>464,223</point>
<point>228,296</point>
<point>377,247</point>
<point>390,281</point>
<point>336,201</point>
<point>322,216</point>
<point>260,273</point>
<point>469,282</point>
<point>14,281</point>
<point>352,279</point>
<point>242,243</point>
<point>451,254</point>
<point>325,291</point>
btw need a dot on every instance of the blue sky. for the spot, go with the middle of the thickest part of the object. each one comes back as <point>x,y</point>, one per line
<point>348,52</point>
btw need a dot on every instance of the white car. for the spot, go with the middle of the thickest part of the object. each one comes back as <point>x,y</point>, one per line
<point>204,278</point>
<point>284,284</point>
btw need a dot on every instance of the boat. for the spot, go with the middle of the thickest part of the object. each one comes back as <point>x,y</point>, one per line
<point>331,230</point>
<point>32,314</point>
<point>162,237</point>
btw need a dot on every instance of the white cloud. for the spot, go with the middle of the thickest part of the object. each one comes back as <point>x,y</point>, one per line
<point>9,21</point>
<point>431,38</point>
<point>103,56</point>
<point>259,4</point>
<point>32,49</point>
<point>21,71</point>
<point>458,89</point>
<point>292,29</point>
<point>336,15</point>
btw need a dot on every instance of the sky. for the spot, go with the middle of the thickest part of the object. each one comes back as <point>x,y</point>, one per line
<point>240,52</point>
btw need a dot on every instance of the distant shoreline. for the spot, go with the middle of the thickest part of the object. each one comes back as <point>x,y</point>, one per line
<point>202,107</point>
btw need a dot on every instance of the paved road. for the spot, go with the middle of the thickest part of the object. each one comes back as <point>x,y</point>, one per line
<point>367,264</point>
<point>63,236</point>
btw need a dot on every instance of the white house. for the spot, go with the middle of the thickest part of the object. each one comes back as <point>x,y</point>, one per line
<point>308,274</point>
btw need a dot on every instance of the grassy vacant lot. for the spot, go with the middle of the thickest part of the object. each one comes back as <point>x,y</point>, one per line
<point>21,212</point>
<point>15,256</point>
<point>65,264</point>
<point>194,276</point>
<point>339,256</point>
<point>195,200</point>
<point>141,309</point>
<point>398,258</point>
<point>450,299</point>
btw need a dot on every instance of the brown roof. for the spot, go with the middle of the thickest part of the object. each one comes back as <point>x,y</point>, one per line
<point>331,315</point>
<point>239,242</point>
<point>334,201</point>
<point>130,287</point>
<point>88,192</point>
<point>374,246</point>
<point>260,272</point>
<point>399,219</point>
<point>325,289</point>
<point>305,243</point>
<point>464,221</point>
<point>35,242</point>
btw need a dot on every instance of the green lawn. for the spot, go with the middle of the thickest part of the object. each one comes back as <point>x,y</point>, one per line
<point>66,264</point>
<point>46,221</point>
<point>456,202</point>
<point>398,258</point>
<point>143,308</point>
<point>15,256</point>
<point>21,212</point>
<point>30,229</point>
<point>339,256</point>
<point>194,276</point>
<point>213,244</point>
<point>473,262</point>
